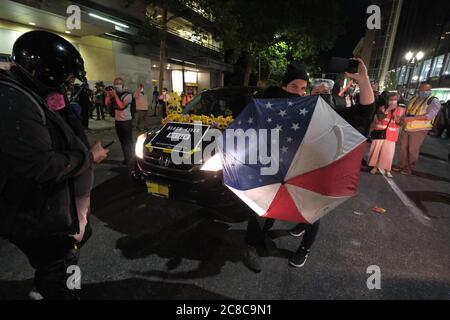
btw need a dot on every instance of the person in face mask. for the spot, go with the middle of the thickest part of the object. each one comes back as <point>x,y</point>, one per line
<point>120,101</point>
<point>385,135</point>
<point>294,85</point>
<point>420,114</point>
<point>42,160</point>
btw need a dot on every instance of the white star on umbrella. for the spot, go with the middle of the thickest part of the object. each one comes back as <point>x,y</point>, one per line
<point>290,104</point>
<point>279,128</point>
<point>295,126</point>
<point>303,112</point>
<point>250,121</point>
<point>290,140</point>
<point>269,106</point>
<point>283,113</point>
<point>269,120</point>
<point>239,122</point>
<point>284,149</point>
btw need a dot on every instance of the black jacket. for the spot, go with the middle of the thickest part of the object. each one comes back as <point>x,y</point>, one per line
<point>40,158</point>
<point>359,116</point>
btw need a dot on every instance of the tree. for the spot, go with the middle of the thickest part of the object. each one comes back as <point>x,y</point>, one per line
<point>391,81</point>
<point>159,14</point>
<point>284,30</point>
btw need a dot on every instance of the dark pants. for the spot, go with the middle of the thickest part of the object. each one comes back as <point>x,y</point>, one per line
<point>124,131</point>
<point>257,227</point>
<point>141,122</point>
<point>311,232</point>
<point>163,109</point>
<point>51,258</point>
<point>100,110</point>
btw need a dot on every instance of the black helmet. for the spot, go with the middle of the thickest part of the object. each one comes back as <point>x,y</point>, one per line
<point>48,58</point>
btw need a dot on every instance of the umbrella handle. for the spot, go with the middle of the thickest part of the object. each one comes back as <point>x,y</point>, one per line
<point>340,141</point>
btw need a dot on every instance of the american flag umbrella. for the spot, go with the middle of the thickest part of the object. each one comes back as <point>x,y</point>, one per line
<point>318,161</point>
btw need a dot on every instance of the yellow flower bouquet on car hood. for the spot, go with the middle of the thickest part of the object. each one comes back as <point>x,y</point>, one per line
<point>220,122</point>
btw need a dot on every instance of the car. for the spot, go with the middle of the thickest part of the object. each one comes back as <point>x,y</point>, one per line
<point>202,182</point>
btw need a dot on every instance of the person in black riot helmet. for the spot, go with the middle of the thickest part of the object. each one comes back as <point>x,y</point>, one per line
<point>45,161</point>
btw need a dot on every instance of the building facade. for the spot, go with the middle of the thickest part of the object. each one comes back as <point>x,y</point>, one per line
<point>413,26</point>
<point>112,44</point>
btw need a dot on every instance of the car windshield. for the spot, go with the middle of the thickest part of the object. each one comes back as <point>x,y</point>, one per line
<point>220,103</point>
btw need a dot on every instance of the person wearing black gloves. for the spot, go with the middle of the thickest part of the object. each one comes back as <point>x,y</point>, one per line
<point>359,116</point>
<point>44,165</point>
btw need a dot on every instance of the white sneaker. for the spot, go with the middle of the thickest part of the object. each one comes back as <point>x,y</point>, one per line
<point>35,295</point>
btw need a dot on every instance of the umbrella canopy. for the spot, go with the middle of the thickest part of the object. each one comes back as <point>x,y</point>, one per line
<point>315,157</point>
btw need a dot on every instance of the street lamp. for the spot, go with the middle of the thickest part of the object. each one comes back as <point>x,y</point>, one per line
<point>412,59</point>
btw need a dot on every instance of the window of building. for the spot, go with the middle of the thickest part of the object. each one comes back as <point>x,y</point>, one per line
<point>447,66</point>
<point>437,66</point>
<point>190,77</point>
<point>416,73</point>
<point>401,80</point>
<point>397,74</point>
<point>426,68</point>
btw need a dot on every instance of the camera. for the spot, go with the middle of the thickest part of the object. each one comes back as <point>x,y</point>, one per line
<point>109,88</point>
<point>341,65</point>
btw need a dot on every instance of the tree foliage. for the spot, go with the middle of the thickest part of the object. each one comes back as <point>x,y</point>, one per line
<point>273,31</point>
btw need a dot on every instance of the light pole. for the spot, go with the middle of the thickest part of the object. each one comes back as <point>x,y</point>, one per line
<point>412,59</point>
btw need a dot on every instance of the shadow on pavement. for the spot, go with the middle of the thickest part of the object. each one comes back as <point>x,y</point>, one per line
<point>128,289</point>
<point>183,232</point>
<point>422,197</point>
<point>430,176</point>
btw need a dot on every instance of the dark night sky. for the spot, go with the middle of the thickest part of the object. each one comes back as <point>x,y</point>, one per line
<point>355,28</point>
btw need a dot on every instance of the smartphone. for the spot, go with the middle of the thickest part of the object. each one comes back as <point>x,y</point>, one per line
<point>109,144</point>
<point>342,65</point>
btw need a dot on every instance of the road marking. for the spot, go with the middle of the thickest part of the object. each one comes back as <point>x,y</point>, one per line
<point>417,213</point>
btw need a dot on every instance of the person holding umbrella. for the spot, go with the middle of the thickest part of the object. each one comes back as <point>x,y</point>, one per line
<point>360,117</point>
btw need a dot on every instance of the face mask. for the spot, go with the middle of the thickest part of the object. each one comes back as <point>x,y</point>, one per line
<point>393,104</point>
<point>119,88</point>
<point>425,94</point>
<point>55,101</point>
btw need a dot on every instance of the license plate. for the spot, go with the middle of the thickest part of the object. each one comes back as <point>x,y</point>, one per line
<point>157,189</point>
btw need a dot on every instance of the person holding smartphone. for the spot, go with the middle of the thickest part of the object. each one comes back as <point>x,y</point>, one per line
<point>295,84</point>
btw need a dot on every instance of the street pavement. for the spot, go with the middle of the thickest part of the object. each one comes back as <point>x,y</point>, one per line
<point>150,248</point>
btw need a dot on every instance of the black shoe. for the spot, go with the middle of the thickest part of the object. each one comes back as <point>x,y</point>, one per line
<point>298,231</point>
<point>252,260</point>
<point>298,260</point>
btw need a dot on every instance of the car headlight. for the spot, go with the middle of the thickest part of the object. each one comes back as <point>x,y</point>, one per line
<point>213,164</point>
<point>139,149</point>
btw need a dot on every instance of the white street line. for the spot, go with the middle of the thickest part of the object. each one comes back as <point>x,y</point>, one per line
<point>418,214</point>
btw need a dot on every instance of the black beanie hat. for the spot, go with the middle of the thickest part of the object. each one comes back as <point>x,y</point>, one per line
<point>295,71</point>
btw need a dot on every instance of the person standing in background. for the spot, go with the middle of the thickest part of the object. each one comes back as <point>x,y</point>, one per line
<point>155,99</point>
<point>99,100</point>
<point>118,99</point>
<point>420,114</point>
<point>141,108</point>
<point>382,151</point>
<point>164,99</point>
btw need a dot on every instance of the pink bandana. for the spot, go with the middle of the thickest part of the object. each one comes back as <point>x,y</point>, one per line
<point>55,101</point>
